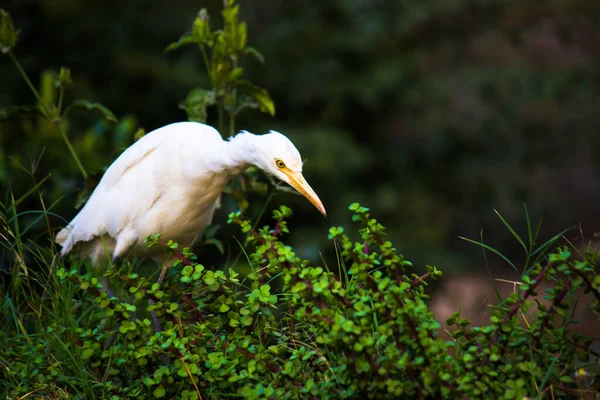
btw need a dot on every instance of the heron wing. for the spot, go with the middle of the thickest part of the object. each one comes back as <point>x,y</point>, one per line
<point>133,183</point>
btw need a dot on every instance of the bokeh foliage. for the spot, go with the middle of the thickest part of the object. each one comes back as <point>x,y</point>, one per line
<point>432,113</point>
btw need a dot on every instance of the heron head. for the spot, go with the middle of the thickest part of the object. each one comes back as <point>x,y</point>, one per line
<point>280,158</point>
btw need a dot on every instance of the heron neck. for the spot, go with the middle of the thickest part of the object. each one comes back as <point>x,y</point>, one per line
<point>240,152</point>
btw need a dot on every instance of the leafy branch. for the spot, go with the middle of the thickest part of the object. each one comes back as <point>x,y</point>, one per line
<point>222,51</point>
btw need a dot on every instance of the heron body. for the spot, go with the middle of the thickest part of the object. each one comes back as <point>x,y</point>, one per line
<point>168,182</point>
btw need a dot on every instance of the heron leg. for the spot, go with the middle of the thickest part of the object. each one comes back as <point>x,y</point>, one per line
<point>104,283</point>
<point>110,294</point>
<point>164,266</point>
<point>104,279</point>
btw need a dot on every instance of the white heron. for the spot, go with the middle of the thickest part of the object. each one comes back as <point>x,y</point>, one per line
<point>168,182</point>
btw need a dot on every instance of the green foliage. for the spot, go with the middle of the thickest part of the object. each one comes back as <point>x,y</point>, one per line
<point>288,328</point>
<point>467,106</point>
<point>47,125</point>
<point>49,107</point>
<point>221,52</point>
<point>8,33</point>
<point>291,330</point>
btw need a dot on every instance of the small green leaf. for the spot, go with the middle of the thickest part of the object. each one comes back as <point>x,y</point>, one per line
<point>259,94</point>
<point>8,33</point>
<point>63,79</point>
<point>140,133</point>
<point>254,53</point>
<point>196,102</point>
<point>566,379</point>
<point>91,106</point>
<point>200,29</point>
<point>20,111</point>
<point>251,366</point>
<point>236,74</point>
<point>224,308</point>
<point>87,353</point>
<point>183,40</point>
<point>159,392</point>
<point>245,101</point>
<point>148,381</point>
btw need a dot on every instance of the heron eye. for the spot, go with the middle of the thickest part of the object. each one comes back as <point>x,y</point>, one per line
<point>280,164</point>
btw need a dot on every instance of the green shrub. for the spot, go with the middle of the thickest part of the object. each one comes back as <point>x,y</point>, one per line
<point>292,330</point>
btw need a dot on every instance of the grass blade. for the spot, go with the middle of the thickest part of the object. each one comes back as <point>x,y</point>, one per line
<point>30,191</point>
<point>487,265</point>
<point>529,232</point>
<point>512,231</point>
<point>549,242</point>
<point>485,246</point>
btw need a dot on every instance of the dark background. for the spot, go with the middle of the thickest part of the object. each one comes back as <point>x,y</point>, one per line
<point>431,113</point>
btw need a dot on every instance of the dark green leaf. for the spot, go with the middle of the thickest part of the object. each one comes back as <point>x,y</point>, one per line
<point>196,102</point>
<point>236,74</point>
<point>255,53</point>
<point>183,41</point>
<point>241,37</point>
<point>140,133</point>
<point>20,111</point>
<point>8,33</point>
<point>220,65</point>
<point>159,392</point>
<point>63,79</point>
<point>566,379</point>
<point>231,31</point>
<point>200,29</point>
<point>259,94</point>
<point>245,101</point>
<point>91,106</point>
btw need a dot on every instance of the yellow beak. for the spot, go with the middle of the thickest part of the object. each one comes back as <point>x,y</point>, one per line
<point>298,182</point>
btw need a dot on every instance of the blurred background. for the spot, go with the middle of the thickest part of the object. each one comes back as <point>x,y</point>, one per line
<point>431,113</point>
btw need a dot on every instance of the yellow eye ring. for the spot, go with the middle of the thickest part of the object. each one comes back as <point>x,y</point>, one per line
<point>280,164</point>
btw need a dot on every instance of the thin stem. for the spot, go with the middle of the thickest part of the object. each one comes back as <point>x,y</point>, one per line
<point>206,63</point>
<point>588,283</point>
<point>232,113</point>
<point>517,306</point>
<point>551,310</point>
<point>240,253</point>
<point>71,149</point>
<point>26,78</point>
<point>418,280</point>
<point>220,107</point>
<point>60,99</point>
<point>55,121</point>
<point>231,124</point>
